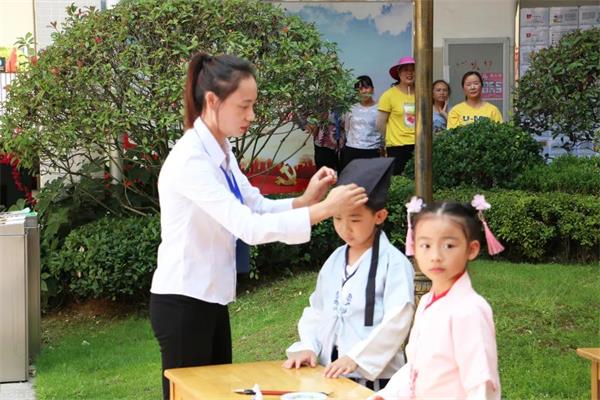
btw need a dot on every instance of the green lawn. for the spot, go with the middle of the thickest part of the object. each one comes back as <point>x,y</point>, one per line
<point>542,312</point>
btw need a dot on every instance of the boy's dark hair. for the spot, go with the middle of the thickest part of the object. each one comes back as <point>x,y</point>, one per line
<point>464,214</point>
<point>219,74</point>
<point>363,81</point>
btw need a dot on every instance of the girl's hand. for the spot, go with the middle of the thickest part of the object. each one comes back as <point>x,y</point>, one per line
<point>317,187</point>
<point>342,366</point>
<point>375,397</point>
<point>305,357</point>
<point>444,110</point>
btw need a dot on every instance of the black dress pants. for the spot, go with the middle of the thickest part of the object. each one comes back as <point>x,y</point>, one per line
<point>190,332</point>
<point>324,156</point>
<point>352,153</point>
<point>402,155</point>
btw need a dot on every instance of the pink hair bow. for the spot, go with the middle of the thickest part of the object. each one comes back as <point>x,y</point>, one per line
<point>494,246</point>
<point>415,205</point>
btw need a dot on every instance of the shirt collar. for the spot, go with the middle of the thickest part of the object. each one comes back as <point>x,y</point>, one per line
<point>458,288</point>
<point>210,144</point>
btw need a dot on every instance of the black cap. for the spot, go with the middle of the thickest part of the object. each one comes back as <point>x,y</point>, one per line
<point>373,174</point>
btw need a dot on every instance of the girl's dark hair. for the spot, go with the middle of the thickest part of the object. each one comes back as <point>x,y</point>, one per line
<point>464,214</point>
<point>218,74</point>
<point>469,73</point>
<point>363,81</point>
<point>445,83</point>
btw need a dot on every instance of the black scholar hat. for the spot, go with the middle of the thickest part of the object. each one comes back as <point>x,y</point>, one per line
<point>373,174</point>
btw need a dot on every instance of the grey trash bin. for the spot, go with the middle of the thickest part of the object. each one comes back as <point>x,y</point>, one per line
<point>19,296</point>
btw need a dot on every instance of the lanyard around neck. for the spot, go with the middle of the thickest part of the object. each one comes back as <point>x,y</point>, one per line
<point>233,186</point>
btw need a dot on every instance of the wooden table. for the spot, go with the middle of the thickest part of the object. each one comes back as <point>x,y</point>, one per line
<point>216,382</point>
<point>594,356</point>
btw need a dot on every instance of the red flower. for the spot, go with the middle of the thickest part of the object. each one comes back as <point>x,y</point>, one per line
<point>127,144</point>
<point>98,39</point>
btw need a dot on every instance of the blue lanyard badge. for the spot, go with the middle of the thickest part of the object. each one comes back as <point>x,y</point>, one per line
<point>242,250</point>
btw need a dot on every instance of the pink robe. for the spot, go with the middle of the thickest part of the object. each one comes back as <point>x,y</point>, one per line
<point>451,351</point>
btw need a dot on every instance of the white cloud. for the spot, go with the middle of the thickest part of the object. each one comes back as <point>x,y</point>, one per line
<point>393,18</point>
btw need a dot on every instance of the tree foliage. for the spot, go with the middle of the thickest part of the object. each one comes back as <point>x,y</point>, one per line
<point>560,91</point>
<point>104,101</point>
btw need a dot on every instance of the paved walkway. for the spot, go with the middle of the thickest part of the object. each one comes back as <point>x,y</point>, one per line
<point>17,391</point>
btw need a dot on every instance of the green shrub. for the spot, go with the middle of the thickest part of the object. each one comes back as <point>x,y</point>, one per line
<point>63,206</point>
<point>540,226</point>
<point>109,258</point>
<point>484,154</point>
<point>569,174</point>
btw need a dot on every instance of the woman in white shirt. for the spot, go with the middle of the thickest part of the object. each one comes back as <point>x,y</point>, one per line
<point>363,140</point>
<point>210,213</point>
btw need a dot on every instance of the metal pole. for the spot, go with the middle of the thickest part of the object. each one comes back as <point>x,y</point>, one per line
<point>423,18</point>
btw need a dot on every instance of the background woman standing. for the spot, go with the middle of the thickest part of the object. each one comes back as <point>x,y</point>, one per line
<point>396,116</point>
<point>363,140</point>
<point>474,107</point>
<point>210,213</point>
<point>441,93</point>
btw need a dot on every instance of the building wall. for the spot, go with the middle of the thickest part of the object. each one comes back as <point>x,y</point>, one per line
<point>470,19</point>
<point>47,11</point>
<point>16,19</point>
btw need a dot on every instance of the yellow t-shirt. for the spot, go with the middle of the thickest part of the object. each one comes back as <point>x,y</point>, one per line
<point>463,114</point>
<point>400,129</point>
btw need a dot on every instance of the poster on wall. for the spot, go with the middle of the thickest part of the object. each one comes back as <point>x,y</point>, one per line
<point>493,87</point>
<point>371,36</point>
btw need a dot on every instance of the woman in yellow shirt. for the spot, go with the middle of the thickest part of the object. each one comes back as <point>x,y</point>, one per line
<point>474,107</point>
<point>396,114</point>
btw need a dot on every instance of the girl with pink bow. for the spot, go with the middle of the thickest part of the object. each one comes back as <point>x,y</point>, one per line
<point>451,352</point>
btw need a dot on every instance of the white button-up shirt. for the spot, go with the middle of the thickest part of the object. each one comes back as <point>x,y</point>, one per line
<point>201,219</point>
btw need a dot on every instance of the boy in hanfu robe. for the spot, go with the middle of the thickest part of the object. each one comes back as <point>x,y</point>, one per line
<point>452,347</point>
<point>361,310</point>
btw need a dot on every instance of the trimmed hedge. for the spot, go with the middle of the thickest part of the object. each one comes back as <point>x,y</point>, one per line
<point>109,258</point>
<point>115,257</point>
<point>541,226</point>
<point>484,154</point>
<point>568,173</point>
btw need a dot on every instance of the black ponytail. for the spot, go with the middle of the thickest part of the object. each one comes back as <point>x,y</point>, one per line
<point>218,74</point>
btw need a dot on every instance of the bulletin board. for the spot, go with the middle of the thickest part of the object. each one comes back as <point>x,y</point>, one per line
<point>542,27</point>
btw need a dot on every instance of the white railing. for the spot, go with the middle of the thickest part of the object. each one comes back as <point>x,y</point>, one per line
<point>5,79</point>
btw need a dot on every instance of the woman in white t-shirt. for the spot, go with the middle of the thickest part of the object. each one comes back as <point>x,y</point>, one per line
<point>363,140</point>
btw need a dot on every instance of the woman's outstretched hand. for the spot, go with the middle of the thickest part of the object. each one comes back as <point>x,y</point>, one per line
<point>317,188</point>
<point>344,197</point>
